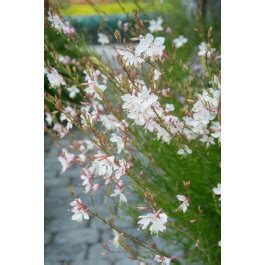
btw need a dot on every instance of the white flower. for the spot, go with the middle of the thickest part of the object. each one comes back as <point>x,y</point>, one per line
<point>156,25</point>
<point>140,106</point>
<point>110,122</point>
<point>103,38</point>
<point>80,211</point>
<point>216,128</point>
<point>201,114</point>
<point>203,49</point>
<point>66,159</point>
<point>115,138</point>
<point>68,113</point>
<point>82,157</point>
<point>103,165</point>
<point>55,78</point>
<point>121,169</point>
<point>163,260</point>
<point>73,90</point>
<point>130,58</point>
<point>116,238</point>
<point>118,192</point>
<point>173,124</point>
<point>89,144</point>
<point>217,191</point>
<point>185,203</point>
<point>165,91</point>
<point>157,221</point>
<point>169,107</point>
<point>48,118</point>
<point>57,127</point>
<point>56,21</point>
<point>94,88</point>
<point>150,46</point>
<point>211,98</point>
<point>208,140</point>
<point>204,111</point>
<point>219,243</point>
<point>59,25</point>
<point>184,151</point>
<point>64,59</point>
<point>86,119</point>
<point>87,180</point>
<point>180,41</point>
<point>157,74</point>
<point>163,134</point>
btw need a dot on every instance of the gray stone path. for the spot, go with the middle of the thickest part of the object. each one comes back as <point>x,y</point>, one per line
<point>66,242</point>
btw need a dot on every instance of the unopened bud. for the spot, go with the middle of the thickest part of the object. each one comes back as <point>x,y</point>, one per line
<point>117,35</point>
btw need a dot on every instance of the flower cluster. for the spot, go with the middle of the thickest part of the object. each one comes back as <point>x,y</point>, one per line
<point>60,25</point>
<point>201,124</point>
<point>144,109</point>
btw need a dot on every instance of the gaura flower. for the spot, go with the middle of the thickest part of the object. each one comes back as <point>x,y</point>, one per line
<point>180,41</point>
<point>54,78</point>
<point>87,180</point>
<point>163,260</point>
<point>121,169</point>
<point>116,238</point>
<point>217,190</point>
<point>118,192</point>
<point>103,38</point>
<point>130,58</point>
<point>140,106</point>
<point>157,75</point>
<point>185,203</point>
<point>66,159</point>
<point>157,221</point>
<point>115,138</point>
<point>169,108</point>
<point>73,90</point>
<point>80,210</point>
<point>68,113</point>
<point>184,151</point>
<point>48,118</point>
<point>150,47</point>
<point>59,25</point>
<point>62,131</point>
<point>156,25</point>
<point>103,165</point>
<point>216,128</point>
<point>203,49</point>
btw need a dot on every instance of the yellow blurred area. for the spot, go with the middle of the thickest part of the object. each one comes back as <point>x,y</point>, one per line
<point>79,9</point>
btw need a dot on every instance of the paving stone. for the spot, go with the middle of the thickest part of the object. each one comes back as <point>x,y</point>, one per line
<point>65,252</point>
<point>96,224</point>
<point>47,237</point>
<point>95,254</point>
<point>47,262</point>
<point>83,235</point>
<point>63,224</point>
